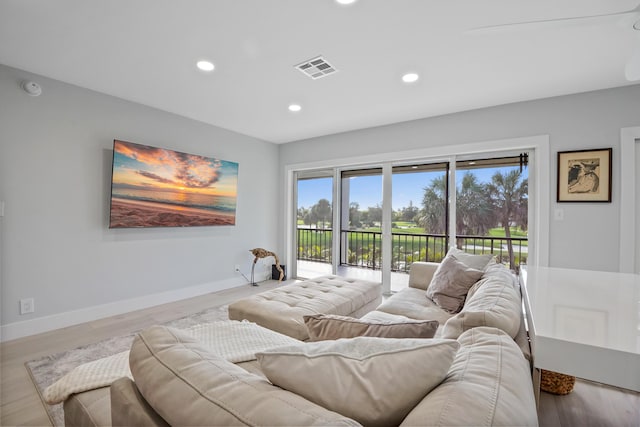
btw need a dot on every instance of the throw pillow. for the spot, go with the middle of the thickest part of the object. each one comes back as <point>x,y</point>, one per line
<point>375,381</point>
<point>332,327</point>
<point>478,262</point>
<point>451,282</point>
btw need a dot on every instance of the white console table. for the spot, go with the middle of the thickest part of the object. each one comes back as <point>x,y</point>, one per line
<point>584,323</point>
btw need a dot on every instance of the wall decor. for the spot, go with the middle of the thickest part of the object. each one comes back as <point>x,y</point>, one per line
<point>157,187</point>
<point>584,176</point>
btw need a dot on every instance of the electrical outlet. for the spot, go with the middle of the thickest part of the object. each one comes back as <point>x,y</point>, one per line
<point>237,268</point>
<point>27,306</point>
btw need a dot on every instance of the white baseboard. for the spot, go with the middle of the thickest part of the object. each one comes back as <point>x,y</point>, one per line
<point>38,325</point>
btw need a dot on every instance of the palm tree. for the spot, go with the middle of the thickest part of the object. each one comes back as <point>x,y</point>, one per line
<point>322,211</point>
<point>509,196</point>
<point>434,207</point>
<point>474,213</point>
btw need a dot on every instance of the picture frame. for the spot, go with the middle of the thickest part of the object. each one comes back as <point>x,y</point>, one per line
<point>159,187</point>
<point>584,176</point>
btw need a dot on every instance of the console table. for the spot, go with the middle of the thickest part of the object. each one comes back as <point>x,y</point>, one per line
<point>584,323</point>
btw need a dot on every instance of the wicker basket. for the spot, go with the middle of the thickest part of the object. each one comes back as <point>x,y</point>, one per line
<point>553,382</point>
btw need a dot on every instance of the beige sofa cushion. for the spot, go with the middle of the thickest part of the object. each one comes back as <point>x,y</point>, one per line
<point>451,282</point>
<point>375,381</point>
<point>421,273</point>
<point>493,301</point>
<point>332,327</point>
<point>88,409</point>
<point>412,303</point>
<point>188,385</point>
<point>488,384</point>
<point>130,408</point>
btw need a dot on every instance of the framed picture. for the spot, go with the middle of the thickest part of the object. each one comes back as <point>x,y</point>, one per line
<point>584,176</point>
<point>158,187</point>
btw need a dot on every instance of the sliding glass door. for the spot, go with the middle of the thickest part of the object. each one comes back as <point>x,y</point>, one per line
<point>392,215</point>
<point>492,208</point>
<point>420,217</point>
<point>361,222</point>
<point>314,223</point>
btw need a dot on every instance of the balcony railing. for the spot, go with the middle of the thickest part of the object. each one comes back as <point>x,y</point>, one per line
<point>364,248</point>
<point>314,244</point>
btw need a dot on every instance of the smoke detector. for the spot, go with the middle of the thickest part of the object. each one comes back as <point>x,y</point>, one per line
<point>32,88</point>
<point>316,68</point>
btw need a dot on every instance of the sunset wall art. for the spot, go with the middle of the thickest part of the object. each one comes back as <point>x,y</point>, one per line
<point>156,187</point>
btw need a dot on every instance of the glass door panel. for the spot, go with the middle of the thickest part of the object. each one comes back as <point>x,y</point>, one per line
<point>361,221</point>
<point>492,207</point>
<point>419,218</point>
<point>314,227</point>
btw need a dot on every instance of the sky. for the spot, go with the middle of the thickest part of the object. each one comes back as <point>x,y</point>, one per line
<point>367,190</point>
<point>142,166</point>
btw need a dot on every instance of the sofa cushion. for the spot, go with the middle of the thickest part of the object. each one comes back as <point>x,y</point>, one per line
<point>90,408</point>
<point>421,273</point>
<point>130,408</point>
<point>332,327</point>
<point>411,302</point>
<point>493,301</point>
<point>451,282</point>
<point>186,384</point>
<point>488,384</point>
<point>375,381</point>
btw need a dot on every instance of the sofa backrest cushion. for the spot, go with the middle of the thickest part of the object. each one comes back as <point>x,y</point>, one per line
<point>375,381</point>
<point>332,327</point>
<point>493,301</point>
<point>187,384</point>
<point>488,384</point>
<point>421,273</point>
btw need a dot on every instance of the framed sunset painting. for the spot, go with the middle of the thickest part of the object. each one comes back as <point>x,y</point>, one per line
<point>157,187</point>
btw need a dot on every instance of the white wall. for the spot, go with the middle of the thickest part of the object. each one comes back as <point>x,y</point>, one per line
<point>55,168</point>
<point>589,234</point>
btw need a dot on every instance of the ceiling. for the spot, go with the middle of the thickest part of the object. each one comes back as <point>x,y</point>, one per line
<point>146,50</point>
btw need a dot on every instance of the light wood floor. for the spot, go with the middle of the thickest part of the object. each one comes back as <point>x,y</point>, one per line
<point>590,404</point>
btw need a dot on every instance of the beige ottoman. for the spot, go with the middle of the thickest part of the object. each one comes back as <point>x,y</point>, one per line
<point>281,309</point>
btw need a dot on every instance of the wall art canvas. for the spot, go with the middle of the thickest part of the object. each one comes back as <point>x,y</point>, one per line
<point>584,176</point>
<point>157,187</point>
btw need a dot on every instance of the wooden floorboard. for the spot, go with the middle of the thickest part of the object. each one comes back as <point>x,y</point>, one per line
<point>590,404</point>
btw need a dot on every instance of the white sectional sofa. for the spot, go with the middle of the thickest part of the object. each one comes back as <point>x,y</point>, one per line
<point>475,371</point>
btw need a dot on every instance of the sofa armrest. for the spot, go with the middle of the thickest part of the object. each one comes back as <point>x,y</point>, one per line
<point>421,273</point>
<point>128,407</point>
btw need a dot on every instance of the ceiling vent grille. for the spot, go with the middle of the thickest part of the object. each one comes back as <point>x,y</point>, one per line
<point>316,68</point>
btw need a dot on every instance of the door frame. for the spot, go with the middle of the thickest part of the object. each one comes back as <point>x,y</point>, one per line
<point>539,173</point>
<point>629,144</point>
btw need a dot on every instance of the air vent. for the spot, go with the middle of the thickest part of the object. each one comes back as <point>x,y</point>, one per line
<point>316,68</point>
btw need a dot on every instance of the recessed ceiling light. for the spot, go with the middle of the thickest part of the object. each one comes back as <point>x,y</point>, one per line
<point>410,78</point>
<point>345,2</point>
<point>205,65</point>
<point>295,108</point>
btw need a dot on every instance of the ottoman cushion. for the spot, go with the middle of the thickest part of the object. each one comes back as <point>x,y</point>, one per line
<point>282,309</point>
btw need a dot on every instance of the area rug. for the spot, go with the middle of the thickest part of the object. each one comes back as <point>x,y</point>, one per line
<point>49,369</point>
